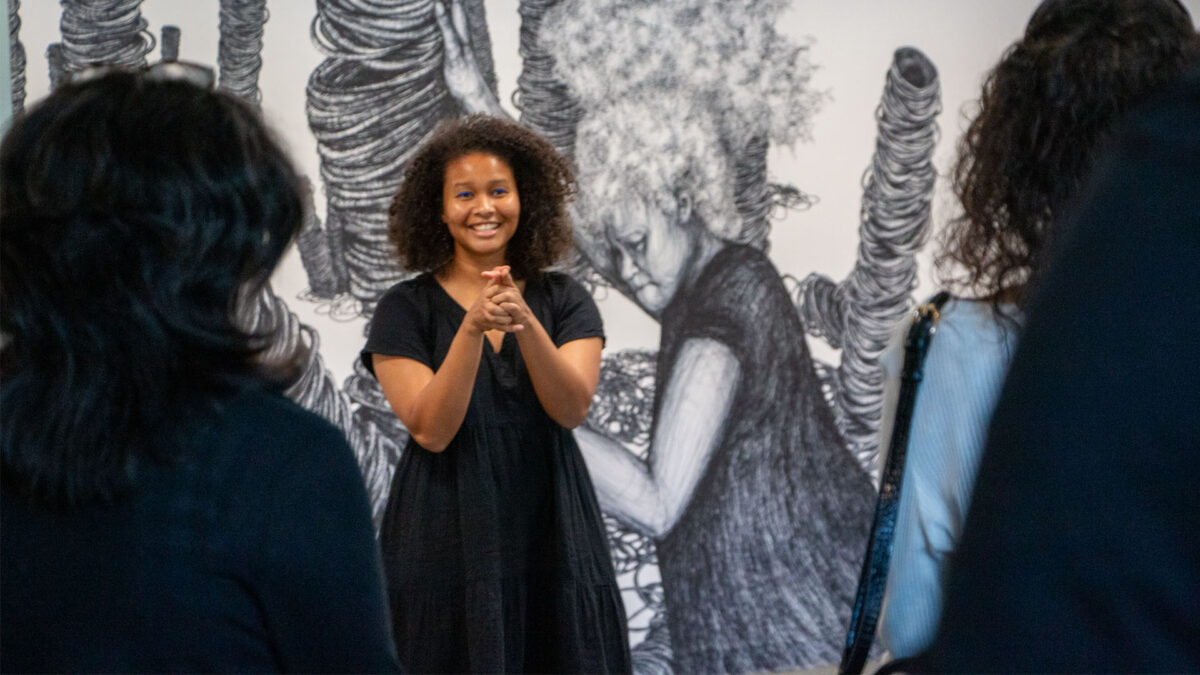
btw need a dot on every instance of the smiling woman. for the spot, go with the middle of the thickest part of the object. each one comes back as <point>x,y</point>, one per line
<point>492,531</point>
<point>416,218</point>
<point>480,206</point>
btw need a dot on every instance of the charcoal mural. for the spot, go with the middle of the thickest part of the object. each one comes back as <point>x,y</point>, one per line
<point>734,464</point>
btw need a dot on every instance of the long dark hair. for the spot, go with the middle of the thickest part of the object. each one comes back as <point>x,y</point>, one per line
<point>1045,113</point>
<point>545,182</point>
<point>134,213</point>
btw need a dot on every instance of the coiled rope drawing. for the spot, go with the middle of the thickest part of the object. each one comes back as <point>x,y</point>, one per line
<point>377,94</point>
<point>858,314</point>
<point>239,51</point>
<point>16,55</point>
<point>104,31</point>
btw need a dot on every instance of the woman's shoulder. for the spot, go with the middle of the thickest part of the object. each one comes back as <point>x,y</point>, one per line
<point>262,436</point>
<point>559,281</point>
<point>276,423</point>
<point>418,285</point>
<point>967,330</point>
<point>738,273</point>
<point>975,325</point>
<point>559,287</point>
<point>416,292</point>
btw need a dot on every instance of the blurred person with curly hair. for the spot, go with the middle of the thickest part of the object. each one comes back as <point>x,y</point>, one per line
<point>1046,112</point>
<point>494,547</point>
<point>165,508</point>
<point>1080,552</point>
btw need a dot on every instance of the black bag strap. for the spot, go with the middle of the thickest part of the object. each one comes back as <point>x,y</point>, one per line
<point>873,578</point>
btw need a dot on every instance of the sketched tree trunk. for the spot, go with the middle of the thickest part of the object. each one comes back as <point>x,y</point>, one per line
<point>239,56</point>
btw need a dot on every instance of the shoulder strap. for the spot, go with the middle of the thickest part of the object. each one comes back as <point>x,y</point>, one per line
<point>873,578</point>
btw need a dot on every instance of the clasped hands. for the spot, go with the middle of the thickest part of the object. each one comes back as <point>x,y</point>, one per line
<point>500,305</point>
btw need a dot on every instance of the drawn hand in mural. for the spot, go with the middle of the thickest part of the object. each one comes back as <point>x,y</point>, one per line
<point>463,76</point>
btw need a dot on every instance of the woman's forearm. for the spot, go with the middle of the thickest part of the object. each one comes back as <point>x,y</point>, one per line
<point>564,378</point>
<point>434,413</point>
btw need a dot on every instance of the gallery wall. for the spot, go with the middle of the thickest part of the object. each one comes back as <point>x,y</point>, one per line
<point>811,139</point>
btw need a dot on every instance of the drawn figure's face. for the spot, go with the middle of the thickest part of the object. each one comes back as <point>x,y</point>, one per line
<point>480,204</point>
<point>652,251</point>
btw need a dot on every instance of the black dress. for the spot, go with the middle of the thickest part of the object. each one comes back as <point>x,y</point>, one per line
<point>494,549</point>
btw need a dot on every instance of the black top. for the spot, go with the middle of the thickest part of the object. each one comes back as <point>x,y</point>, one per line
<point>254,552</point>
<point>494,549</point>
<point>1081,549</point>
<point>759,572</point>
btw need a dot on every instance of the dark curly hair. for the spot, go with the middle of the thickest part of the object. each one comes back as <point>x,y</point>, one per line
<point>1045,113</point>
<point>545,183</point>
<point>135,214</point>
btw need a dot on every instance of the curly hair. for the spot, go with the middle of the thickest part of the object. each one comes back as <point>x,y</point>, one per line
<point>545,183</point>
<point>1046,112</point>
<point>683,96</point>
<point>136,216</point>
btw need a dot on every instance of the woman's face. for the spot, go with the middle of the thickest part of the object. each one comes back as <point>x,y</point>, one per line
<point>480,205</point>
<point>652,252</point>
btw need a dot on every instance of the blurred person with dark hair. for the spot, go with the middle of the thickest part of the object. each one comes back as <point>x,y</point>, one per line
<point>1081,551</point>
<point>164,508</point>
<point>1046,112</point>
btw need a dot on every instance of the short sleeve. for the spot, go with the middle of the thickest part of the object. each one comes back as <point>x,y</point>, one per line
<point>733,292</point>
<point>575,313</point>
<point>400,326</point>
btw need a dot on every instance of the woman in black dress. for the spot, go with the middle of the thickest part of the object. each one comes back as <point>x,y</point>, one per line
<point>493,543</point>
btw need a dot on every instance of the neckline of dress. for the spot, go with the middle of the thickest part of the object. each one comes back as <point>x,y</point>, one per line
<point>462,311</point>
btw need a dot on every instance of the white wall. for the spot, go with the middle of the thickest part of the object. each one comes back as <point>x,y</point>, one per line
<point>853,41</point>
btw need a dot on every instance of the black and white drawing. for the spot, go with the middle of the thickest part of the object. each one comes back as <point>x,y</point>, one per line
<point>16,57</point>
<point>735,468</point>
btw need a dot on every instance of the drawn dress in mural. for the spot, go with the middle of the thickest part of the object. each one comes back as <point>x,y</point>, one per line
<point>760,570</point>
<point>496,555</point>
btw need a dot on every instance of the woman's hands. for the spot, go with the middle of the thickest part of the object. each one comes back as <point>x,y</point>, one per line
<point>500,305</point>
<point>508,296</point>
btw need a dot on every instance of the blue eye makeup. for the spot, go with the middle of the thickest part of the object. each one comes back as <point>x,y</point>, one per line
<point>464,194</point>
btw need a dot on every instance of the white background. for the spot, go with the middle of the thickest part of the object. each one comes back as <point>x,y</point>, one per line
<point>852,43</point>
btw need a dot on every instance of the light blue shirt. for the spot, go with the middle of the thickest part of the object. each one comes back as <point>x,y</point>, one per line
<point>964,370</point>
